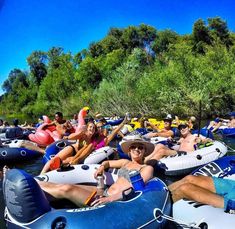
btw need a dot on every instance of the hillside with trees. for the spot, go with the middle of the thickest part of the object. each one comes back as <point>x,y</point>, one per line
<point>138,69</point>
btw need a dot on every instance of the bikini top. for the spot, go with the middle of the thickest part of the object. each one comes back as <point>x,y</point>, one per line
<point>99,144</point>
<point>124,172</point>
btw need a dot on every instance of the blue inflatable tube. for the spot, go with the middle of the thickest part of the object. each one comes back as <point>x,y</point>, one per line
<point>205,132</point>
<point>227,132</point>
<point>27,206</point>
<point>114,122</point>
<point>232,113</point>
<point>14,154</point>
<point>55,148</point>
<point>221,167</point>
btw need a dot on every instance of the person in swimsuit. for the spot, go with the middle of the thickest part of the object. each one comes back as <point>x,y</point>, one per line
<point>187,143</point>
<point>204,189</point>
<point>67,154</point>
<point>136,147</point>
<point>103,138</point>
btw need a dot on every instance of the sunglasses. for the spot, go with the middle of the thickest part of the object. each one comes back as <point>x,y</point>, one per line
<point>139,147</point>
<point>183,127</point>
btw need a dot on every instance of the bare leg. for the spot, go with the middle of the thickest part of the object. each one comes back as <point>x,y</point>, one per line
<point>199,194</point>
<point>75,193</point>
<point>159,152</point>
<point>216,127</point>
<point>201,181</point>
<point>63,154</point>
<point>156,149</point>
<point>31,146</point>
<point>197,188</point>
<point>82,154</point>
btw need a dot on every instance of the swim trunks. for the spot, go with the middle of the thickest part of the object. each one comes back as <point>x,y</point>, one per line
<point>224,188</point>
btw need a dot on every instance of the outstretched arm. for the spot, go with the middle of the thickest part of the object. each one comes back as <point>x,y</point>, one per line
<point>75,136</point>
<point>111,136</point>
<point>154,127</point>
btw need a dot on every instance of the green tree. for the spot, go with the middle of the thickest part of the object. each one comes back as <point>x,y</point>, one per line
<point>96,49</point>
<point>115,32</point>
<point>163,40</point>
<point>78,58</point>
<point>201,36</point>
<point>16,87</point>
<point>15,78</point>
<point>219,28</point>
<point>89,75</point>
<point>147,35</point>
<point>37,62</point>
<point>110,43</point>
<point>110,62</point>
<point>131,38</point>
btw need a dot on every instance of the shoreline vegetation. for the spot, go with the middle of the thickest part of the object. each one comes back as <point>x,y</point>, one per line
<point>138,69</point>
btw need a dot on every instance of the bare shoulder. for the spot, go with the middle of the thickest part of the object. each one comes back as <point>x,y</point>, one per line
<point>148,168</point>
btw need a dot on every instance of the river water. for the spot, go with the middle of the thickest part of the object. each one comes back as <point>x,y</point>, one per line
<point>35,166</point>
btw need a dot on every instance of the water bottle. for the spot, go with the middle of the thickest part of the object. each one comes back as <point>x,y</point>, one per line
<point>136,180</point>
<point>231,206</point>
<point>100,185</point>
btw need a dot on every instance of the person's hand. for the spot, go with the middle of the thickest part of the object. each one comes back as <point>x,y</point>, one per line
<point>99,171</point>
<point>102,200</point>
<point>208,140</point>
<point>147,123</point>
<point>198,140</point>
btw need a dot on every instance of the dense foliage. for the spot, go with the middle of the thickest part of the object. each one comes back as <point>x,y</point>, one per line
<point>136,69</point>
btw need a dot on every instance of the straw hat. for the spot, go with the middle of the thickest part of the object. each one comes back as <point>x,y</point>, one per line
<point>129,140</point>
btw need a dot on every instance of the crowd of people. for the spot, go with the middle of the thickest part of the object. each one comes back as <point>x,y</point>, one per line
<point>97,134</point>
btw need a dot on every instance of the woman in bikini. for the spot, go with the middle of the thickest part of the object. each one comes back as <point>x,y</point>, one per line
<point>67,154</point>
<point>136,147</point>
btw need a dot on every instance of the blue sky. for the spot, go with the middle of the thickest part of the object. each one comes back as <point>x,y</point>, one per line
<point>29,25</point>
